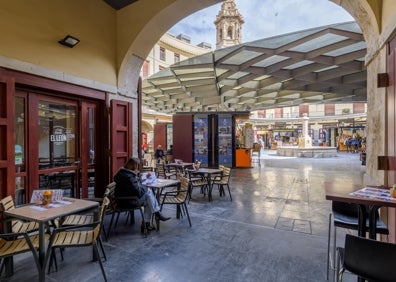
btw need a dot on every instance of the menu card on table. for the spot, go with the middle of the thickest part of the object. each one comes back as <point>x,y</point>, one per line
<point>374,193</point>
<point>38,195</point>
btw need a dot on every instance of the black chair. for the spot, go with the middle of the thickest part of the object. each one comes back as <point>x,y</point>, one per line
<point>369,259</point>
<point>116,207</point>
<point>345,215</point>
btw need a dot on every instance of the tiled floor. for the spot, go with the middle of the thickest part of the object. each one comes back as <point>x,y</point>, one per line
<point>274,230</point>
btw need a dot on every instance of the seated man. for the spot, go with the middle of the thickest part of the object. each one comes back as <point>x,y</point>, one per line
<point>159,154</point>
<point>128,184</point>
<point>170,150</point>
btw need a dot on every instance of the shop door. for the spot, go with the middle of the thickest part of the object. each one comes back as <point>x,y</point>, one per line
<point>52,144</point>
<point>87,149</point>
<point>7,174</point>
<point>121,134</point>
<point>45,145</point>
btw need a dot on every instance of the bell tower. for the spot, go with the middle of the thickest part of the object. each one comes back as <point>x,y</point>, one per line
<point>228,25</point>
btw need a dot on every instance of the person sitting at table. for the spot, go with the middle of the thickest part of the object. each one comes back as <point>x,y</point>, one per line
<point>159,154</point>
<point>128,184</point>
<point>170,150</point>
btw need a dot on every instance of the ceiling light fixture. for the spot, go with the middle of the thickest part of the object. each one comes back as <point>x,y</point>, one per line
<point>69,41</point>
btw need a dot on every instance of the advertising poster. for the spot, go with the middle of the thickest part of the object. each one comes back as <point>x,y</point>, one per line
<point>201,139</point>
<point>225,140</point>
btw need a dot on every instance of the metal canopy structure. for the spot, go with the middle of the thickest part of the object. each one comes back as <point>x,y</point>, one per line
<point>315,66</point>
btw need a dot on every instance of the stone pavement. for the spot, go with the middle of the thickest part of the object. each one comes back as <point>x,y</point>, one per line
<point>274,230</point>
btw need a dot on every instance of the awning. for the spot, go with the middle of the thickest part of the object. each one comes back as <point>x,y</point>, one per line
<point>315,66</point>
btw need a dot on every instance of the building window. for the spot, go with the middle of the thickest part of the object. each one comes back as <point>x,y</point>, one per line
<point>329,110</point>
<point>145,69</point>
<point>177,58</point>
<point>358,108</point>
<point>162,54</point>
<point>229,33</point>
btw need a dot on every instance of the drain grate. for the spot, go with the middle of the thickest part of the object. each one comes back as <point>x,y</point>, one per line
<point>300,180</point>
<point>295,225</point>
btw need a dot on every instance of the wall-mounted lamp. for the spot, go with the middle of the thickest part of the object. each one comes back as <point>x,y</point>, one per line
<point>69,41</point>
<point>382,80</point>
<point>386,163</point>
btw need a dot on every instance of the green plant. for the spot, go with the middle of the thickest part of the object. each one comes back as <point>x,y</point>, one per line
<point>346,111</point>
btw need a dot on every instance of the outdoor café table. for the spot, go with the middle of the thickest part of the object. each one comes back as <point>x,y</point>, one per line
<point>44,214</point>
<point>180,167</point>
<point>157,186</point>
<point>369,199</point>
<point>208,173</point>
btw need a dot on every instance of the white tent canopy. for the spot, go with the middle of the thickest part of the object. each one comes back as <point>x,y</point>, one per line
<point>319,65</point>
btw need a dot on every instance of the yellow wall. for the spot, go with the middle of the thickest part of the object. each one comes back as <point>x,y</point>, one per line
<point>388,16</point>
<point>31,29</point>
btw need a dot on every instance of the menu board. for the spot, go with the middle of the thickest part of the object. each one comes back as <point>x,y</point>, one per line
<point>201,139</point>
<point>249,136</point>
<point>225,140</point>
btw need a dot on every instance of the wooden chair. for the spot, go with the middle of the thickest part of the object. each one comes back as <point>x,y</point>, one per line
<point>18,226</point>
<point>162,172</point>
<point>12,244</point>
<point>115,209</point>
<point>197,181</point>
<point>178,197</point>
<point>168,158</point>
<point>369,259</point>
<point>223,181</point>
<point>77,236</point>
<point>82,219</point>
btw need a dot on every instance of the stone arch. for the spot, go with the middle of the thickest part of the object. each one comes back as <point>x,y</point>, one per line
<point>160,23</point>
<point>129,69</point>
<point>367,20</point>
<point>146,126</point>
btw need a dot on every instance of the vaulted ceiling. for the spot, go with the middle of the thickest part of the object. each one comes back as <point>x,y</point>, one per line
<point>319,65</point>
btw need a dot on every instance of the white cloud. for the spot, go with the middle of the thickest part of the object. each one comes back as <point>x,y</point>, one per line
<point>264,18</point>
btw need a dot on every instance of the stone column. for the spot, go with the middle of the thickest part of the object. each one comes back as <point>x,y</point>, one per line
<point>305,140</point>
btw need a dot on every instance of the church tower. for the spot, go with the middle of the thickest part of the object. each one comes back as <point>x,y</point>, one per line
<point>228,25</point>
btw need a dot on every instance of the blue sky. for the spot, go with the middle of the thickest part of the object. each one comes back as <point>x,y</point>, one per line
<point>263,18</point>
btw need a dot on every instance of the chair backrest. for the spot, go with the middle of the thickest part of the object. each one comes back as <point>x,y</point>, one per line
<point>103,207</point>
<point>345,208</point>
<point>110,189</point>
<point>7,203</point>
<point>370,259</point>
<point>161,170</point>
<point>226,174</point>
<point>179,176</point>
<point>17,226</point>
<point>168,158</point>
<point>184,184</point>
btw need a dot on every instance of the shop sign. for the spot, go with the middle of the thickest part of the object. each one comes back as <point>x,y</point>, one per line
<point>61,135</point>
